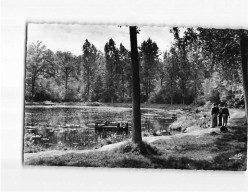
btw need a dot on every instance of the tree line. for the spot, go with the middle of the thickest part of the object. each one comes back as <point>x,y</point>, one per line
<point>201,65</point>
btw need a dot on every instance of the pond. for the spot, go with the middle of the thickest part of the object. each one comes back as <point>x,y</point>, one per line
<point>58,127</point>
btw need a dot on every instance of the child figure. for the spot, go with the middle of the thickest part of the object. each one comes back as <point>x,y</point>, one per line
<point>204,121</point>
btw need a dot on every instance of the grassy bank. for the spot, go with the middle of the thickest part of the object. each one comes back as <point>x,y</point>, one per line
<point>211,151</point>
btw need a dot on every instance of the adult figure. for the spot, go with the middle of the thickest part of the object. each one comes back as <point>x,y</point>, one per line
<point>214,113</point>
<point>220,115</point>
<point>225,115</point>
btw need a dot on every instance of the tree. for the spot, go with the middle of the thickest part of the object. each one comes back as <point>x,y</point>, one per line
<point>99,78</point>
<point>112,70</point>
<point>52,67</point>
<point>35,64</point>
<point>161,72</point>
<point>197,70</point>
<point>150,61</point>
<point>222,46</point>
<point>136,131</point>
<point>97,89</point>
<point>89,60</point>
<point>182,43</point>
<point>67,63</point>
<point>228,50</point>
<point>124,71</point>
<point>171,74</point>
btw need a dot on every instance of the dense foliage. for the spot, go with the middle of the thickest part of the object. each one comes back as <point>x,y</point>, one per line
<point>201,65</point>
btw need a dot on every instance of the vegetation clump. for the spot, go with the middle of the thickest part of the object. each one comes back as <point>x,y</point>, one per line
<point>138,149</point>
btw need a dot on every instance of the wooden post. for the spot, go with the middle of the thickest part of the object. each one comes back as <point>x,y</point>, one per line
<point>96,127</point>
<point>127,129</point>
<point>118,127</point>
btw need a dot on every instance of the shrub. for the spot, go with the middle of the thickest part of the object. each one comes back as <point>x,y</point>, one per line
<point>200,101</point>
<point>214,96</point>
<point>208,105</point>
<point>183,122</point>
<point>30,146</point>
<point>47,89</point>
<point>73,93</point>
<point>159,97</point>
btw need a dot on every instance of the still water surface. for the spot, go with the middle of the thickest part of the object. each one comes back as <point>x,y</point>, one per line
<point>74,126</point>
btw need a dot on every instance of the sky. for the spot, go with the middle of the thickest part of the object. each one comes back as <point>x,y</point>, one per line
<point>70,37</point>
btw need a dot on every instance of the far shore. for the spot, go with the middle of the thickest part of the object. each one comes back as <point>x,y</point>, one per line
<point>103,104</point>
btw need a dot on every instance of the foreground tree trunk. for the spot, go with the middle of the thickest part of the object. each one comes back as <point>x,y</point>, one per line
<point>244,65</point>
<point>136,131</point>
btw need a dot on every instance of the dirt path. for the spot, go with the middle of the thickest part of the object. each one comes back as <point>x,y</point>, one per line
<point>195,131</point>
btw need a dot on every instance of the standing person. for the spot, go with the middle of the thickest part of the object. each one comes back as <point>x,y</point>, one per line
<point>225,115</point>
<point>220,115</point>
<point>214,113</point>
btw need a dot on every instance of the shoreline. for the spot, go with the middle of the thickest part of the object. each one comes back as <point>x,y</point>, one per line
<point>198,132</point>
<point>103,104</point>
